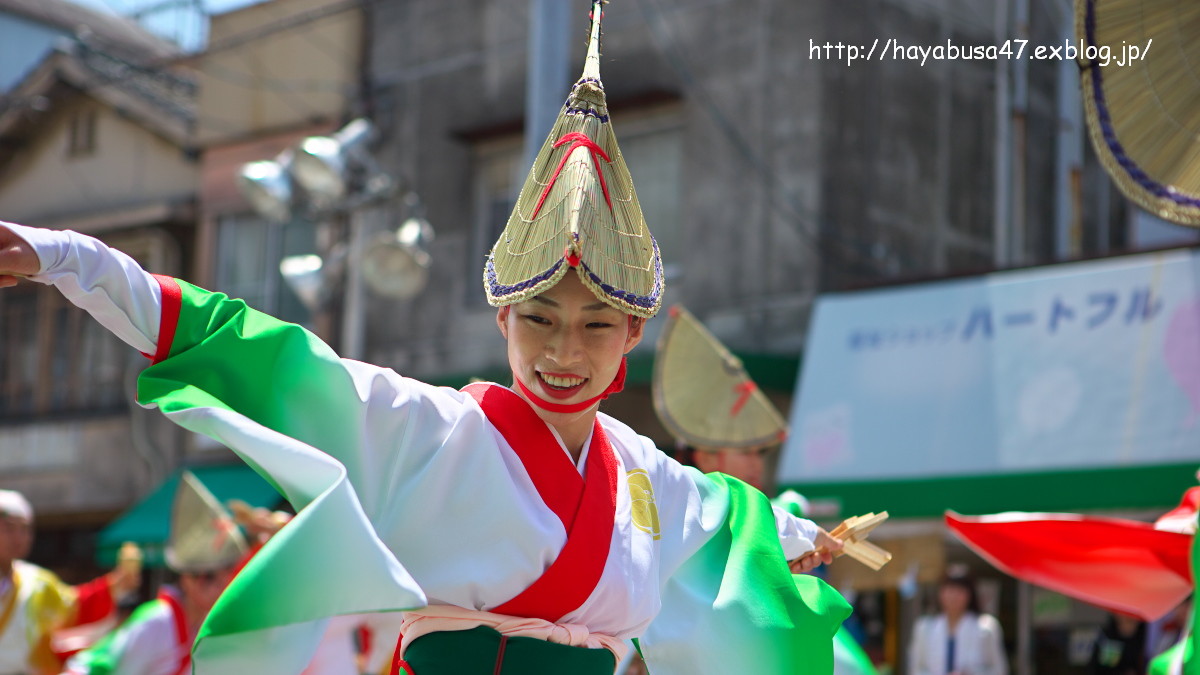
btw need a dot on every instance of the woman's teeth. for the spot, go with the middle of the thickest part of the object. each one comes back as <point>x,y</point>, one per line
<point>563,382</point>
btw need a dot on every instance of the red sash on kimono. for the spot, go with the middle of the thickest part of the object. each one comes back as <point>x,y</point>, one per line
<point>181,630</point>
<point>587,508</point>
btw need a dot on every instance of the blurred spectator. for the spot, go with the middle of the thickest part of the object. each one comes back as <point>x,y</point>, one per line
<point>205,549</point>
<point>959,640</point>
<point>1163,634</point>
<point>34,603</point>
<point>745,464</point>
<point>1120,647</point>
<point>723,423</point>
<point>103,604</point>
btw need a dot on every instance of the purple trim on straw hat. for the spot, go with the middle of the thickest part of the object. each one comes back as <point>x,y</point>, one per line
<point>498,290</point>
<point>1127,163</point>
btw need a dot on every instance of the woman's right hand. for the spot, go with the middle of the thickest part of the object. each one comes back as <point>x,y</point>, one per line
<point>17,258</point>
<point>827,547</point>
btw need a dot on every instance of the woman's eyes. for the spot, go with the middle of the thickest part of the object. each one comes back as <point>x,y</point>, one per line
<point>541,320</point>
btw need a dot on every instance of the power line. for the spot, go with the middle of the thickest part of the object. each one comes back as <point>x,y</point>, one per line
<point>326,46</point>
<point>277,26</point>
<point>161,5</point>
<point>282,86</point>
<point>113,9</point>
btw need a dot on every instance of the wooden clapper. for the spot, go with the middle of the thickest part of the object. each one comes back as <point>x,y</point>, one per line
<point>853,532</point>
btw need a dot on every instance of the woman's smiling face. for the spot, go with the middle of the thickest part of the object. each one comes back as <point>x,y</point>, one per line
<point>565,345</point>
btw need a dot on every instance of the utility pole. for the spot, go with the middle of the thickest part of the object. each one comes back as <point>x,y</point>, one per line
<point>547,75</point>
<point>1002,148</point>
<point>1068,152</point>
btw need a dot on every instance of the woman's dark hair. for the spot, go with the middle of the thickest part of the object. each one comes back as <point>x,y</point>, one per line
<point>960,577</point>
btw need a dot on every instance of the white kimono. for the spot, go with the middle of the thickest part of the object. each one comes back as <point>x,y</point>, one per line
<point>441,489</point>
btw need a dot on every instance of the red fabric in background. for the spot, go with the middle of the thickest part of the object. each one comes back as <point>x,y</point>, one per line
<point>95,615</point>
<point>95,601</point>
<point>1121,565</point>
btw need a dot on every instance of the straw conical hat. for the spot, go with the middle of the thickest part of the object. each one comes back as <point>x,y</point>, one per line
<point>203,534</point>
<point>578,209</point>
<point>702,393</point>
<point>1144,116</point>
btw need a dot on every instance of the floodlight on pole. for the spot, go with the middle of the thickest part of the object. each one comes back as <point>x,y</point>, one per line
<point>303,274</point>
<point>321,162</point>
<point>266,185</point>
<point>338,178</point>
<point>396,265</point>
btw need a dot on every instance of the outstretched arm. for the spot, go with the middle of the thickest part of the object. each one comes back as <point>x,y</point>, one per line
<point>805,545</point>
<point>110,285</point>
<point>333,436</point>
<point>211,350</point>
<point>17,258</point>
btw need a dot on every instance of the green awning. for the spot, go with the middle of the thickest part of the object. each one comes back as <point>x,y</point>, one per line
<point>148,522</point>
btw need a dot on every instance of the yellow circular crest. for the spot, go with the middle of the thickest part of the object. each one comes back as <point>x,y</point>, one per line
<point>641,502</point>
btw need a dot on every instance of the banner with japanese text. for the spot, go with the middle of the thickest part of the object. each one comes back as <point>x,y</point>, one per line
<point>1074,366</point>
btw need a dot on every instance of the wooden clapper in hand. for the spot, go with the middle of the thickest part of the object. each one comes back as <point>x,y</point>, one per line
<point>853,532</point>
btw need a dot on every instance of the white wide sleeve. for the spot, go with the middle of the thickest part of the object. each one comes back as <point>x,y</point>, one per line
<point>795,534</point>
<point>682,490</point>
<point>110,285</point>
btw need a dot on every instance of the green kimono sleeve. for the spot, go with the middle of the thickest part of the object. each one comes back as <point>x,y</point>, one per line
<point>735,604</point>
<point>300,416</point>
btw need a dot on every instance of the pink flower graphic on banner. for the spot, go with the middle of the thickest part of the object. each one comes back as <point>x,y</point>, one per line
<point>1181,352</point>
<point>825,438</point>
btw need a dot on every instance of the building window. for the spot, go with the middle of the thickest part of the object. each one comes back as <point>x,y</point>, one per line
<point>495,192</point>
<point>653,151</point>
<point>81,133</point>
<point>19,360</point>
<point>249,250</point>
<point>652,144</point>
<point>55,360</point>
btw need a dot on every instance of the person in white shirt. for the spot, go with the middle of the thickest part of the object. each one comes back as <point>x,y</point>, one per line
<point>960,639</point>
